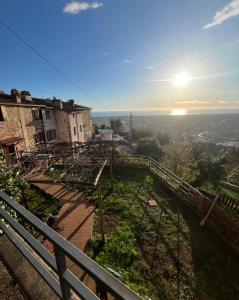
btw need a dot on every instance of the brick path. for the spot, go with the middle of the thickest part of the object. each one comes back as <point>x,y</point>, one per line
<point>75,219</point>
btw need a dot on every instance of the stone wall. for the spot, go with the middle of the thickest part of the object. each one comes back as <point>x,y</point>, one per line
<point>19,122</point>
<point>30,126</point>
<point>11,126</point>
<point>32,284</point>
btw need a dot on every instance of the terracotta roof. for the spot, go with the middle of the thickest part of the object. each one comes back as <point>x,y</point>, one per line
<point>10,140</point>
<point>67,106</point>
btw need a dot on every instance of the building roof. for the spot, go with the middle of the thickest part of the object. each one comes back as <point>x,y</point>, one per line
<point>10,140</point>
<point>106,130</point>
<point>68,106</point>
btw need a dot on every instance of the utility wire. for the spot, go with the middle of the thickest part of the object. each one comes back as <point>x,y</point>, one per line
<point>54,67</point>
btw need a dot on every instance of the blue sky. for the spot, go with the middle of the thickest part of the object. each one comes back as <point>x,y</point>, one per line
<point>125,54</point>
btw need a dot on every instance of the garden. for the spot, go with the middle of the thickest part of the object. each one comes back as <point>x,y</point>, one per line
<point>159,250</point>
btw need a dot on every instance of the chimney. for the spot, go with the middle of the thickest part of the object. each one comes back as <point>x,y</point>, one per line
<point>26,96</point>
<point>57,103</point>
<point>71,102</point>
<point>16,95</point>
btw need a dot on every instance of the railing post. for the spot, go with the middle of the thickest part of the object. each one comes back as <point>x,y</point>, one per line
<point>61,267</point>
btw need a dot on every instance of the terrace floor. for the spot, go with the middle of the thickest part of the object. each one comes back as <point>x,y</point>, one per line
<point>75,218</point>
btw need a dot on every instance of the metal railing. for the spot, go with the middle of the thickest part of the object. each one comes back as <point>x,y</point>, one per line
<point>64,283</point>
<point>175,182</point>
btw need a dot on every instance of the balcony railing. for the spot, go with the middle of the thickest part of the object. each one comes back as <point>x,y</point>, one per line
<point>64,283</point>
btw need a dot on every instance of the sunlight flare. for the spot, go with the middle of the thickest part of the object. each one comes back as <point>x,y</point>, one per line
<point>182,79</point>
<point>178,112</point>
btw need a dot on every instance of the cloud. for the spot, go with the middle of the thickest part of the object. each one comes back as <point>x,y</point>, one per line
<point>193,102</point>
<point>229,11</point>
<point>127,61</point>
<point>76,7</point>
<point>150,67</point>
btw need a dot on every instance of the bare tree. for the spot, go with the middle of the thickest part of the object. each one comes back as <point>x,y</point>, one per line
<point>178,154</point>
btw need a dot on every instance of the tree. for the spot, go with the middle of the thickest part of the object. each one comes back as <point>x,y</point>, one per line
<point>96,128</point>
<point>149,148</point>
<point>141,134</point>
<point>233,175</point>
<point>116,125</point>
<point>11,183</point>
<point>163,138</point>
<point>102,126</point>
<point>232,165</point>
<point>178,156</point>
<point>211,169</point>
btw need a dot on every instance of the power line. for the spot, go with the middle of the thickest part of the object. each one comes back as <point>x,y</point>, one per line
<point>54,67</point>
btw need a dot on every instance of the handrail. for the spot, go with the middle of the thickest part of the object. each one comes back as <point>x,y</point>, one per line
<point>67,281</point>
<point>150,161</point>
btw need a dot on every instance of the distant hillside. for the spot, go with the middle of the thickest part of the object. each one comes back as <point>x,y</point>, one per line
<point>220,128</point>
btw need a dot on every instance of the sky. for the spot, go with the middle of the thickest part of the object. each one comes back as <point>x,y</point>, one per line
<point>123,55</point>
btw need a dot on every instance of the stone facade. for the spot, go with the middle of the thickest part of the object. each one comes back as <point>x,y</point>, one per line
<point>18,122</point>
<point>27,121</point>
<point>11,125</point>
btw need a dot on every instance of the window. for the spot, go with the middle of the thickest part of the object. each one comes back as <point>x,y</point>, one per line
<point>51,135</point>
<point>37,114</point>
<point>39,137</point>
<point>73,115</point>
<point>48,114</point>
<point>74,130</point>
<point>80,128</point>
<point>1,115</point>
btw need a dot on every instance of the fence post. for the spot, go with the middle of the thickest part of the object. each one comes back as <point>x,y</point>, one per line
<point>61,267</point>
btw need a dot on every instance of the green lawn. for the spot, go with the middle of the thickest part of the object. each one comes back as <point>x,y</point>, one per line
<point>142,244</point>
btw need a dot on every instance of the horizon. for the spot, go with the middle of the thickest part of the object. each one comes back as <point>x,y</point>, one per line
<point>145,113</point>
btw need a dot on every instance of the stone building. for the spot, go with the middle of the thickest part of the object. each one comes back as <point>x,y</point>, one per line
<point>26,122</point>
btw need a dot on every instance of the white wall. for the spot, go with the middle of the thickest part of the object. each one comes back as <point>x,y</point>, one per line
<point>51,123</point>
<point>63,126</point>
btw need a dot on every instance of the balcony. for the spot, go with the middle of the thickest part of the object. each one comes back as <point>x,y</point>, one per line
<point>53,268</point>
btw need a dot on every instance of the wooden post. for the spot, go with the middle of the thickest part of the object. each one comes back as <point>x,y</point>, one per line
<point>178,262</point>
<point>111,168</point>
<point>101,214</point>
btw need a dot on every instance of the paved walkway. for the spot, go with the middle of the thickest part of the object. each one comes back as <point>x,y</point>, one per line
<point>75,219</point>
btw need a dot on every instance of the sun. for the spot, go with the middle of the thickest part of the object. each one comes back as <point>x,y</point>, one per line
<point>178,112</point>
<point>182,79</point>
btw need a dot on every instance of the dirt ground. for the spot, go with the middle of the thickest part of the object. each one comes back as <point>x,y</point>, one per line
<point>8,289</point>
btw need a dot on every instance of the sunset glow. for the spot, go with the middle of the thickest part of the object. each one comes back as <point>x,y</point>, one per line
<point>178,112</point>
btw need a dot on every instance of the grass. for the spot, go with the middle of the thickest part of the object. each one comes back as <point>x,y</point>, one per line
<point>142,243</point>
<point>232,194</point>
<point>40,203</point>
<point>215,189</point>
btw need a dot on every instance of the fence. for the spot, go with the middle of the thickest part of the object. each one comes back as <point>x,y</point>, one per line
<point>64,283</point>
<point>220,220</point>
<point>228,203</point>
